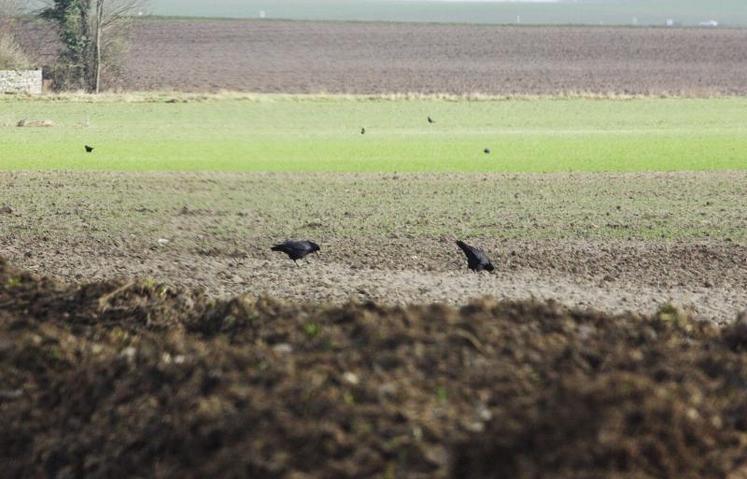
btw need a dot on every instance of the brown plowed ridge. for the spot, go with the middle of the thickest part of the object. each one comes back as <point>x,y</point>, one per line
<point>302,57</point>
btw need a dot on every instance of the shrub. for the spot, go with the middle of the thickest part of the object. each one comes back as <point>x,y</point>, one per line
<point>11,55</point>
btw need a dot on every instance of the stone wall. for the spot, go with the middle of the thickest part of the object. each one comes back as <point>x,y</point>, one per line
<point>21,81</point>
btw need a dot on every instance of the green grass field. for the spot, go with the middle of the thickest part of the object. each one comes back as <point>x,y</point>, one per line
<point>282,133</point>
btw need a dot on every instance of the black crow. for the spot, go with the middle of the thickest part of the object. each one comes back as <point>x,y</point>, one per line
<point>486,151</point>
<point>89,149</point>
<point>296,249</point>
<point>363,131</point>
<point>430,120</point>
<point>476,258</point>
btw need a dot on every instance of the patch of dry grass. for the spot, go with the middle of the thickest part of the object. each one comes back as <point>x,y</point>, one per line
<point>186,97</point>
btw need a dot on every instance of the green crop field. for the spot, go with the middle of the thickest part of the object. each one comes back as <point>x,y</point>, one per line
<point>287,133</point>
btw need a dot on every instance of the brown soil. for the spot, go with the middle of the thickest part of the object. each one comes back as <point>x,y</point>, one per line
<point>139,380</point>
<point>707,278</point>
<point>84,227</point>
<point>300,57</point>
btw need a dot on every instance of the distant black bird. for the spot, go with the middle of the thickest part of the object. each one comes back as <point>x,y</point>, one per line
<point>486,151</point>
<point>363,131</point>
<point>297,249</point>
<point>431,120</point>
<point>476,258</point>
<point>89,149</point>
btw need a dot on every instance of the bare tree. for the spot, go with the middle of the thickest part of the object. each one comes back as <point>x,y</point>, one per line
<point>10,8</point>
<point>11,55</point>
<point>88,30</point>
<point>8,11</point>
<point>111,15</point>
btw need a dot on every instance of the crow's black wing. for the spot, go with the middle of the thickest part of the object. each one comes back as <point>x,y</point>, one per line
<point>285,247</point>
<point>303,246</point>
<point>294,249</point>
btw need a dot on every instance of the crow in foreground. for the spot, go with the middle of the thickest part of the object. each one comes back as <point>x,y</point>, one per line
<point>486,151</point>
<point>296,249</point>
<point>89,149</point>
<point>476,258</point>
<point>363,131</point>
<point>431,120</point>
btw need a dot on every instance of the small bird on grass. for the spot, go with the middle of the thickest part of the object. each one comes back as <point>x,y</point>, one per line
<point>477,260</point>
<point>431,120</point>
<point>486,151</point>
<point>363,131</point>
<point>89,149</point>
<point>296,249</point>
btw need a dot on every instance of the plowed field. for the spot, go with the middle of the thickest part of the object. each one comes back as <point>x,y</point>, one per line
<point>303,57</point>
<point>613,242</point>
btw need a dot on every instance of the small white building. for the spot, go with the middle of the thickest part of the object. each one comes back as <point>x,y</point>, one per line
<point>709,23</point>
<point>21,81</point>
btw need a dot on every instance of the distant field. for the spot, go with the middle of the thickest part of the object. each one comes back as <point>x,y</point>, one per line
<point>287,133</point>
<point>611,12</point>
<point>201,55</point>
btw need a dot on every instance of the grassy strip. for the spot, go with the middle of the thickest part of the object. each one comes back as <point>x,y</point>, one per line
<point>232,208</point>
<point>235,132</point>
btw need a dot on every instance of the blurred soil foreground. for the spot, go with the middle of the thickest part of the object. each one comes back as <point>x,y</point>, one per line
<point>117,379</point>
